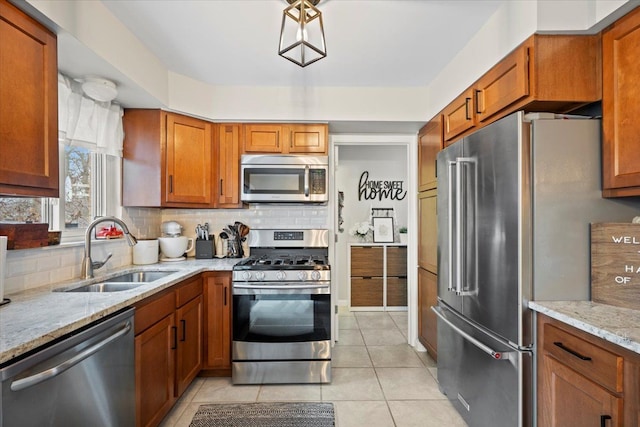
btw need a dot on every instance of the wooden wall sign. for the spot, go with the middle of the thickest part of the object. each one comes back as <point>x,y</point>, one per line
<point>615,264</point>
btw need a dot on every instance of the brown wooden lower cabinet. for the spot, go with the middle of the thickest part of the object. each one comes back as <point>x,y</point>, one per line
<point>155,372</point>
<point>427,320</point>
<point>189,322</point>
<point>217,314</point>
<point>168,348</point>
<point>584,380</point>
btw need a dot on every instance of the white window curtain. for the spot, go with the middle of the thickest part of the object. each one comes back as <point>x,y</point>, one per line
<point>82,121</point>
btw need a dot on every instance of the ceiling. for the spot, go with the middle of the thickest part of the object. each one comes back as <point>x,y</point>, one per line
<point>385,43</point>
<point>370,43</point>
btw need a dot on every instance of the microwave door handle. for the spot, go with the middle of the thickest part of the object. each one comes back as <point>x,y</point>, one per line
<point>306,181</point>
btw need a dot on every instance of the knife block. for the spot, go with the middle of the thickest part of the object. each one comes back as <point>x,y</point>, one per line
<point>204,249</point>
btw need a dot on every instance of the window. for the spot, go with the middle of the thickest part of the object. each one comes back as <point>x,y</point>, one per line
<point>89,187</point>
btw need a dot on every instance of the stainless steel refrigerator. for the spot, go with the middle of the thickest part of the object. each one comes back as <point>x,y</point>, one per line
<point>515,200</point>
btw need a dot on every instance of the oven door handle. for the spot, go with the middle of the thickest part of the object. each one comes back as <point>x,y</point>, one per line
<point>239,286</point>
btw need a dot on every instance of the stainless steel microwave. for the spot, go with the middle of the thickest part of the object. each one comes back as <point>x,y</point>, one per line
<point>284,178</point>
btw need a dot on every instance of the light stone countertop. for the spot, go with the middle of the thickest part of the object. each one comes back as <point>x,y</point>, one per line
<point>38,316</point>
<point>617,325</point>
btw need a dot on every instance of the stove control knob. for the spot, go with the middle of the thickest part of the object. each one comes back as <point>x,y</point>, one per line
<point>281,275</point>
<point>246,275</point>
<point>302,275</point>
<point>315,275</point>
<point>260,275</point>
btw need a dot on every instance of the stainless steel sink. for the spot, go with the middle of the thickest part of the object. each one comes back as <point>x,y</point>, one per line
<point>139,276</point>
<point>105,287</point>
<point>122,282</point>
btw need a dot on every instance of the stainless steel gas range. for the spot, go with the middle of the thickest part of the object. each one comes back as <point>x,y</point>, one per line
<point>282,309</point>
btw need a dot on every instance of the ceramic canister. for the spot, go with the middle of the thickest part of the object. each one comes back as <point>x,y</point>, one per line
<point>146,252</point>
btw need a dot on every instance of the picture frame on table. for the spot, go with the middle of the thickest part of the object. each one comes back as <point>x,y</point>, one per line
<point>382,229</point>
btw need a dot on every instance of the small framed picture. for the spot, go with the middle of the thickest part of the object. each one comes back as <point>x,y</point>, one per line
<point>382,229</point>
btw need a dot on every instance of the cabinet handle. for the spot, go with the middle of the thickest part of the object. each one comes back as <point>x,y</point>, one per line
<point>477,93</point>
<point>221,187</point>
<point>225,296</point>
<point>170,183</point>
<point>573,352</point>
<point>436,166</point>
<point>603,420</point>
<point>184,330</point>
<point>175,337</point>
<point>291,140</point>
<point>466,109</point>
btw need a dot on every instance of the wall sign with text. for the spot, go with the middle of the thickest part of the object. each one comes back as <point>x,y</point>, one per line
<point>379,190</point>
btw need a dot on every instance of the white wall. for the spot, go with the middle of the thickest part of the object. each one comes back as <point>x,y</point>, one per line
<point>383,163</point>
<point>247,103</point>
<point>93,25</point>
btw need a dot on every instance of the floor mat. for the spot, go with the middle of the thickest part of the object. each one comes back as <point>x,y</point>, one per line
<point>289,414</point>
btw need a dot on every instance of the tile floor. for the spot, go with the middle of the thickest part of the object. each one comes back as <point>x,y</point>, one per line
<point>378,381</point>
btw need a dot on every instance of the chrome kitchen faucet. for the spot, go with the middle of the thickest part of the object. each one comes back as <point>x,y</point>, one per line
<point>87,264</point>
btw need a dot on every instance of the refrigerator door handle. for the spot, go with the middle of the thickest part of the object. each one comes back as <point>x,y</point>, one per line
<point>450,223</point>
<point>462,213</point>
<point>496,355</point>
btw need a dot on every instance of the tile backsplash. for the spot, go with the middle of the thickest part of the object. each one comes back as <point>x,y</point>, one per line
<point>31,268</point>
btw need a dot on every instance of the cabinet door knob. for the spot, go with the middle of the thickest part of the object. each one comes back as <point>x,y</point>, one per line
<point>603,420</point>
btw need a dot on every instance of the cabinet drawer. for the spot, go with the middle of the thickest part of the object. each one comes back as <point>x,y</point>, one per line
<point>592,361</point>
<point>396,292</point>
<point>188,291</point>
<point>366,261</point>
<point>366,291</point>
<point>149,313</point>
<point>396,261</point>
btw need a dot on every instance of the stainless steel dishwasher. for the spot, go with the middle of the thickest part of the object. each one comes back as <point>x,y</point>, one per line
<point>86,379</point>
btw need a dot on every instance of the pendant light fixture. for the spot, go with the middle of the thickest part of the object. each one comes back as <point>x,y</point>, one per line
<point>302,33</point>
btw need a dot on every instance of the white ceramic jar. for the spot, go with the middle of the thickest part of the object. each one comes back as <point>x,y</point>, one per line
<point>145,252</point>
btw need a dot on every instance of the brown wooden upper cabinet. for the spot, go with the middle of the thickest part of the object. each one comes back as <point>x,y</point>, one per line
<point>459,116</point>
<point>168,160</point>
<point>620,107</point>
<point>29,106</point>
<point>429,144</point>
<point>533,77</point>
<point>285,138</point>
<point>229,142</point>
